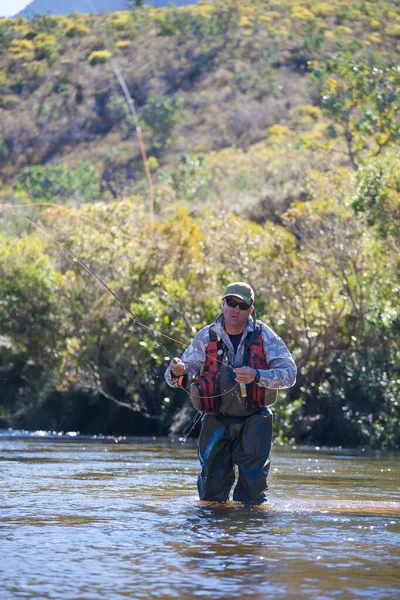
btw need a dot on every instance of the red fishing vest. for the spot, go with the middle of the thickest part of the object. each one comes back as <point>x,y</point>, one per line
<point>208,382</point>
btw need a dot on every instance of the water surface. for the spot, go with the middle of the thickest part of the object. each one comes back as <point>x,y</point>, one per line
<point>115,518</point>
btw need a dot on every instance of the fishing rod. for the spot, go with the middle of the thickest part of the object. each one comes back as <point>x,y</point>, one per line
<point>136,320</point>
<point>68,209</point>
<point>189,428</point>
<point>86,267</point>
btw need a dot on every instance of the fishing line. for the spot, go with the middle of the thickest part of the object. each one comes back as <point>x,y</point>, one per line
<point>69,210</point>
<point>98,279</point>
<point>136,320</point>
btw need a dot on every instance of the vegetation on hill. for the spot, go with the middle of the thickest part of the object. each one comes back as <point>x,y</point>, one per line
<point>272,131</point>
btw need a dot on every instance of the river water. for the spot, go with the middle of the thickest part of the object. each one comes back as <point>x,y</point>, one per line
<point>85,519</point>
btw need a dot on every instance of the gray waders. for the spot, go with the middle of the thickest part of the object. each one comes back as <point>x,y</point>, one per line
<point>226,441</point>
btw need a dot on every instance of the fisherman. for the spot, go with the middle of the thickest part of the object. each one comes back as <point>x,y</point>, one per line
<point>233,369</point>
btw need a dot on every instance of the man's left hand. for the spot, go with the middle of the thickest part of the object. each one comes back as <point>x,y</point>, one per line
<point>245,374</point>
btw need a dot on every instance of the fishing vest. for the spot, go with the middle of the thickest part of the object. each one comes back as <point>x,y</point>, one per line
<point>208,384</point>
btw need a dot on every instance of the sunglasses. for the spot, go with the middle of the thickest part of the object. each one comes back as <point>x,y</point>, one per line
<point>241,305</point>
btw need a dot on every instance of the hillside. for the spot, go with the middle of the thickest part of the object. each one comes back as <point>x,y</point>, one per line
<point>63,7</point>
<point>213,76</point>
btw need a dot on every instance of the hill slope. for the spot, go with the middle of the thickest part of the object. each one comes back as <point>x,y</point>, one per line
<point>203,79</point>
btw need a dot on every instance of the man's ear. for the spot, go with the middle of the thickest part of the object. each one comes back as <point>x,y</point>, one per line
<point>251,310</point>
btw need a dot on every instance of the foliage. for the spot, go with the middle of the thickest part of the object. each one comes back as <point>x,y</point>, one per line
<point>57,183</point>
<point>30,325</point>
<point>161,113</point>
<point>363,98</point>
<point>324,281</point>
<point>98,57</point>
<point>45,47</point>
<point>378,194</point>
<point>189,177</point>
<point>6,33</point>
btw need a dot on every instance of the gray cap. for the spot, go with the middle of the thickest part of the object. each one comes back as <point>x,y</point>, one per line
<point>240,290</point>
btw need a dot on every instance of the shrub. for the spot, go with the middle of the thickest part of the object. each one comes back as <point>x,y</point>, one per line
<point>153,163</point>
<point>22,49</point>
<point>6,34</point>
<point>323,9</point>
<point>45,46</point>
<point>301,13</point>
<point>121,21</point>
<point>52,182</point>
<point>8,100</point>
<point>277,133</point>
<point>99,57</point>
<point>4,151</point>
<point>123,44</point>
<point>305,114</point>
<point>245,22</point>
<point>189,177</point>
<point>176,22</point>
<point>378,194</point>
<point>393,30</point>
<point>76,30</point>
<point>161,114</point>
<point>44,23</point>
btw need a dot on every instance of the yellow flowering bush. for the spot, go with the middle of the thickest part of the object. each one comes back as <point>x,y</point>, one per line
<point>122,44</point>
<point>120,20</point>
<point>301,13</point>
<point>22,49</point>
<point>393,30</point>
<point>305,114</point>
<point>245,22</point>
<point>98,57</point>
<point>323,9</point>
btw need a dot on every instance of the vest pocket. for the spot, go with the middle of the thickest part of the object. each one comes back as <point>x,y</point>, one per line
<point>269,396</point>
<point>196,395</point>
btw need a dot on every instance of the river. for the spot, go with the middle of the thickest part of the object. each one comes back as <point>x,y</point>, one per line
<point>91,518</point>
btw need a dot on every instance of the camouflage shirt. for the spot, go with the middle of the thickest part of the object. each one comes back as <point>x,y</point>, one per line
<point>280,375</point>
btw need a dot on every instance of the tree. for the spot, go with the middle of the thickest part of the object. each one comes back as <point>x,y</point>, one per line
<point>378,195</point>
<point>364,100</point>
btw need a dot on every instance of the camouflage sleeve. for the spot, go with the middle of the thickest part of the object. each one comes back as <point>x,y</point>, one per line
<point>193,357</point>
<point>283,370</point>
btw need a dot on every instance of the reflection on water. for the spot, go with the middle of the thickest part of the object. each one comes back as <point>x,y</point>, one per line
<point>95,518</point>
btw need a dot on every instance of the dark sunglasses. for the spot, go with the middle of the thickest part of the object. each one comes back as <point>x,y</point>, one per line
<point>241,305</point>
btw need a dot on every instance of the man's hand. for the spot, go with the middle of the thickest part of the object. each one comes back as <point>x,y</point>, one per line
<point>245,374</point>
<point>177,367</point>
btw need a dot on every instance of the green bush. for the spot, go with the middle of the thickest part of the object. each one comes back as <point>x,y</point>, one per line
<point>6,34</point>
<point>57,183</point>
<point>161,113</point>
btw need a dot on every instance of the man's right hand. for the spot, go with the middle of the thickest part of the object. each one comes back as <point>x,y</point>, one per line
<point>177,367</point>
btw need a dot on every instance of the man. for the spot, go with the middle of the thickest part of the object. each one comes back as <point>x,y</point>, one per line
<point>234,368</point>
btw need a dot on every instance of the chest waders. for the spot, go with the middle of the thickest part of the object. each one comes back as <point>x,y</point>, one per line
<point>225,440</point>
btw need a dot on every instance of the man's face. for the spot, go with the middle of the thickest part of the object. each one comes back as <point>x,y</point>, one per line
<point>234,316</point>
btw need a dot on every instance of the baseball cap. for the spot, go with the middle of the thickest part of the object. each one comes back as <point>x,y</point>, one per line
<point>241,290</point>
